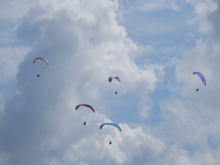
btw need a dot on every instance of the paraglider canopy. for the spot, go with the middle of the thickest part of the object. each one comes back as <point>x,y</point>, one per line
<point>113,124</point>
<point>201,77</point>
<point>86,105</point>
<point>117,78</point>
<point>39,58</point>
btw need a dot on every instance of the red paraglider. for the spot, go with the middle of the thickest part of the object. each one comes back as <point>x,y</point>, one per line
<point>86,105</point>
<point>36,59</point>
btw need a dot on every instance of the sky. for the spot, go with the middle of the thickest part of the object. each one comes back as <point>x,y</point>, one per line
<point>154,46</point>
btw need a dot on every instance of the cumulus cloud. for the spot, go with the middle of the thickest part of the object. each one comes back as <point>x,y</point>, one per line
<point>203,9</point>
<point>84,46</point>
<point>11,12</point>
<point>10,59</point>
<point>19,8</point>
<point>195,114</point>
<point>190,118</point>
<point>214,19</point>
<point>152,6</point>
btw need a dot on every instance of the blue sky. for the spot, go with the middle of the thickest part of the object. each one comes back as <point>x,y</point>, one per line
<point>153,46</point>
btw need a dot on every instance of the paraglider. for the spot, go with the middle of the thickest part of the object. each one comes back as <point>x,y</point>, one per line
<point>113,124</point>
<point>201,77</point>
<point>197,89</point>
<point>39,58</point>
<point>36,59</point>
<point>86,105</point>
<point>111,78</point>
<point>117,78</point>
<point>84,123</point>
<point>110,143</point>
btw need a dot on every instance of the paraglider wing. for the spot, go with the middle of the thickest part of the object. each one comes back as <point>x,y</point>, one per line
<point>113,124</point>
<point>36,59</point>
<point>86,105</point>
<point>110,79</point>
<point>117,78</point>
<point>201,77</point>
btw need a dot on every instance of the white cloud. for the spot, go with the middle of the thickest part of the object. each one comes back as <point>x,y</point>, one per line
<point>152,6</point>
<point>84,46</point>
<point>193,117</point>
<point>11,12</point>
<point>214,19</point>
<point>11,57</point>
<point>19,9</point>
<point>203,9</point>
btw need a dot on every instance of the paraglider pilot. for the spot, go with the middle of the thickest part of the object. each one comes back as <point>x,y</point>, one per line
<point>84,123</point>
<point>38,75</point>
<point>197,89</point>
<point>110,143</point>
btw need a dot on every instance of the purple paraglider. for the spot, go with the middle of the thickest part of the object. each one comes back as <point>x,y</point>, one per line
<point>201,77</point>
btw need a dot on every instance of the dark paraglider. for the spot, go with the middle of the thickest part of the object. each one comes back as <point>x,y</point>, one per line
<point>111,78</point>
<point>84,123</point>
<point>197,89</point>
<point>117,78</point>
<point>110,143</point>
<point>38,75</point>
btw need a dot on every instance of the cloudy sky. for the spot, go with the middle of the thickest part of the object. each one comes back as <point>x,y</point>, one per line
<point>154,46</point>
